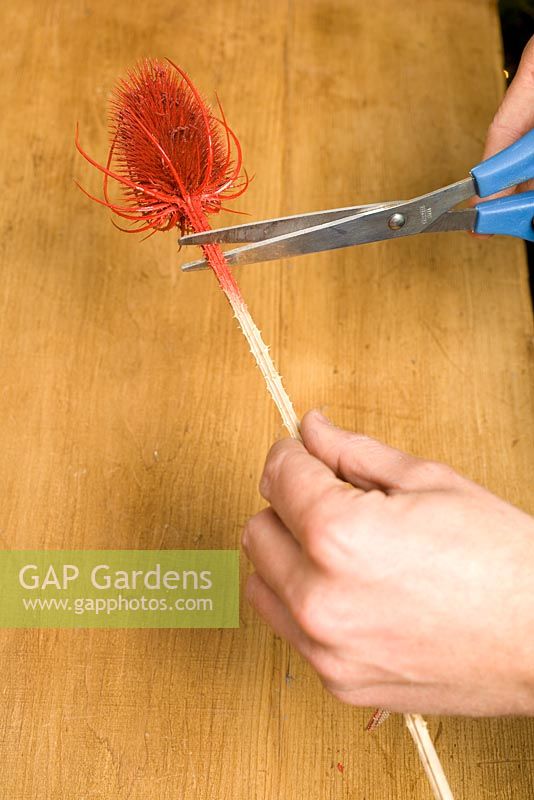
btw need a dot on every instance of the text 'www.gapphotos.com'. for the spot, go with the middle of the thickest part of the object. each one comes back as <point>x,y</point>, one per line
<point>111,605</point>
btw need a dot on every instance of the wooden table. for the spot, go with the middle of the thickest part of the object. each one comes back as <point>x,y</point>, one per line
<point>134,418</point>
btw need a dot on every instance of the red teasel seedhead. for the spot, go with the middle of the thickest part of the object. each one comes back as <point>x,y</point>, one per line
<point>175,160</point>
<point>177,163</point>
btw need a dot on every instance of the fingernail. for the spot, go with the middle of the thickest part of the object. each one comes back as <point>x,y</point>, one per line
<point>320,417</point>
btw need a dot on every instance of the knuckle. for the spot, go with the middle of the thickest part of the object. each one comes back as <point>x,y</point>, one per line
<point>248,528</point>
<point>373,516</point>
<point>372,502</point>
<point>339,673</point>
<point>345,678</point>
<point>251,527</point>
<point>255,527</point>
<point>334,531</point>
<point>259,520</point>
<point>275,462</point>
<point>419,472</point>
<point>352,695</point>
<point>435,472</point>
<point>335,676</point>
<point>309,613</point>
<point>322,528</point>
<point>501,129</point>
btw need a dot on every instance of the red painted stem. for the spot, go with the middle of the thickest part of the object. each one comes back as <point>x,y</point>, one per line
<point>213,253</point>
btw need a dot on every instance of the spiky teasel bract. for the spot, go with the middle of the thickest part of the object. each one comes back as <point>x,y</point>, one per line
<point>171,155</point>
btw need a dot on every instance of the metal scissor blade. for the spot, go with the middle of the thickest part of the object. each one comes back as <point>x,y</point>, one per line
<point>403,219</point>
<point>463,220</point>
<point>450,221</point>
<point>269,228</point>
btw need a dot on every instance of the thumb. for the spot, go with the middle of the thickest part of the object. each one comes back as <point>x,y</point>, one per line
<point>368,463</point>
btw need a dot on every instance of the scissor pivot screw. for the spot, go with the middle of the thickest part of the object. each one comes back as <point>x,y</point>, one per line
<point>396,221</point>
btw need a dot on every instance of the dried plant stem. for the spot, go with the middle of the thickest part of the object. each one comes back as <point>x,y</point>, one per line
<point>215,257</point>
<point>378,718</point>
<point>429,758</point>
<point>425,750</point>
<point>265,363</point>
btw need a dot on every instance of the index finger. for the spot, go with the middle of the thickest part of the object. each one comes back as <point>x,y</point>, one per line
<point>304,491</point>
<point>515,116</point>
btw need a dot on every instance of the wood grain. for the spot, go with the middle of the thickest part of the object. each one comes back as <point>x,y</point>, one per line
<point>134,418</point>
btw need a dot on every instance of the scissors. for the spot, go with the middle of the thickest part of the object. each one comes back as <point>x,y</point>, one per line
<point>302,234</point>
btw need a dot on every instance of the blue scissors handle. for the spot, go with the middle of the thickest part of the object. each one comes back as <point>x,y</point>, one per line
<point>510,216</point>
<point>429,213</point>
<point>510,167</point>
<point>513,215</point>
